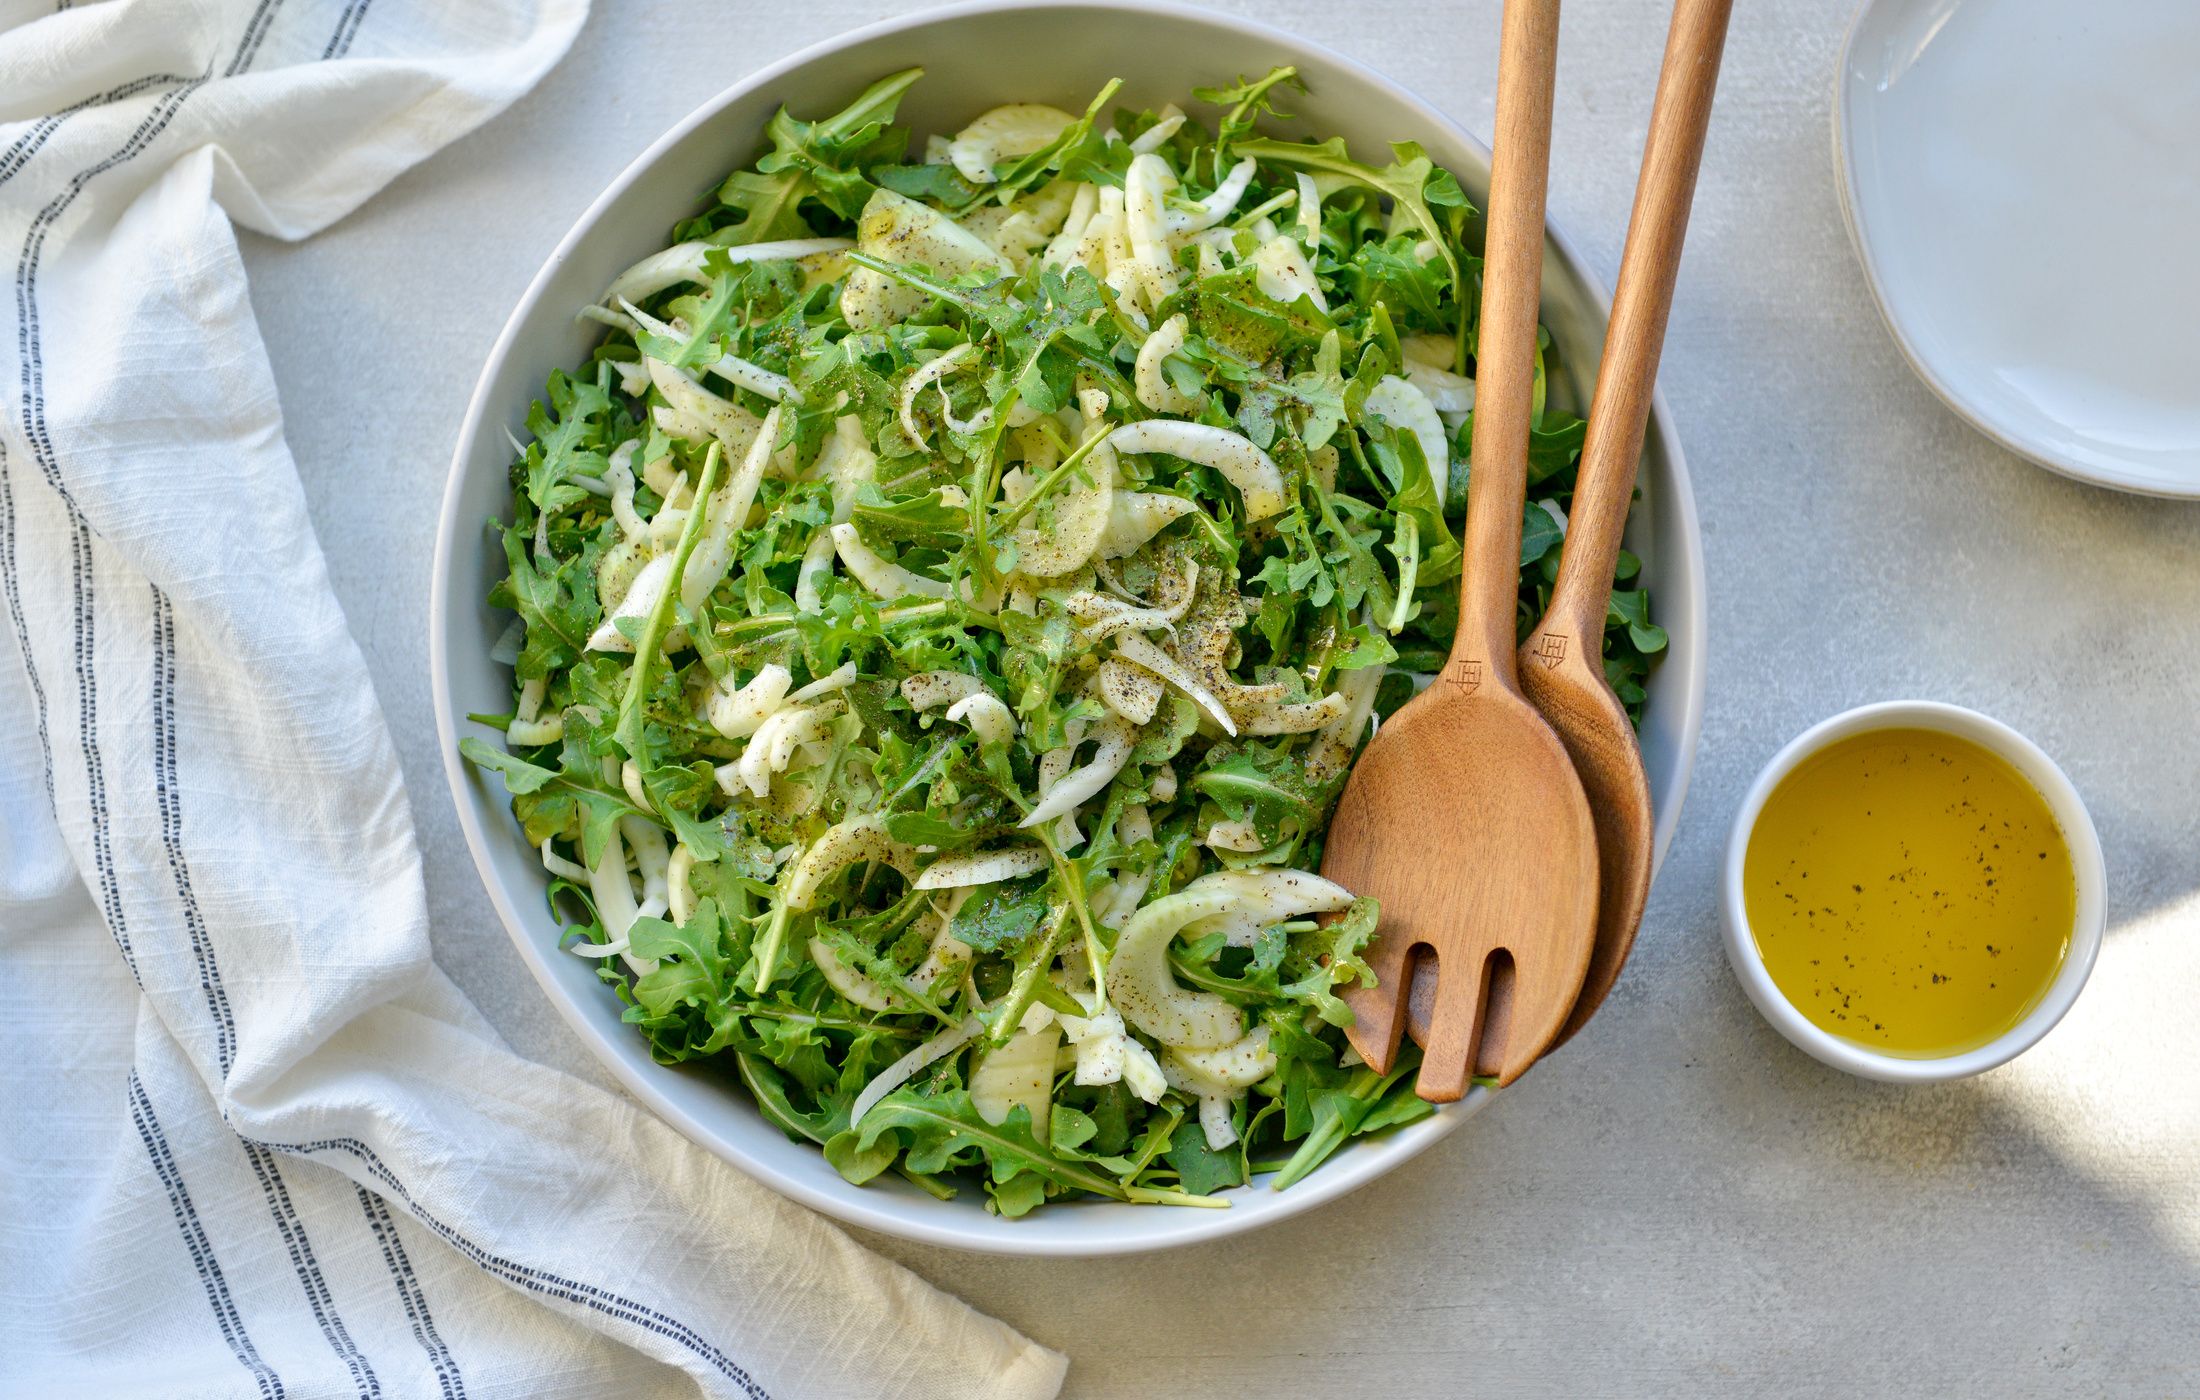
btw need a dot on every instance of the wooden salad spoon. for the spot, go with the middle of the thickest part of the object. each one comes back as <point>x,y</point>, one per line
<point>1463,818</point>
<point>1562,662</point>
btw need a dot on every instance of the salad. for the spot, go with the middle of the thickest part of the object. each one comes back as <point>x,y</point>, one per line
<point>949,603</point>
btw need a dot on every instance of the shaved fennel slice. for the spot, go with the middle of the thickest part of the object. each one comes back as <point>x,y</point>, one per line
<point>1252,471</point>
<point>1280,270</point>
<point>839,678</point>
<point>987,717</point>
<point>1004,133</point>
<point>1217,206</point>
<point>946,953</point>
<point>928,690</point>
<point>1309,212</point>
<point>1259,903</point>
<point>1293,716</point>
<point>1131,691</point>
<point>679,888</point>
<point>640,598</point>
<point>1219,1078</point>
<point>897,229</point>
<point>726,512</point>
<point>1154,389</point>
<point>1234,836</point>
<point>693,412</point>
<point>1061,250</point>
<point>1145,189</point>
<point>981,868</point>
<point>1452,395</point>
<point>1128,889</point>
<point>1107,1053</point>
<point>1153,138</point>
<point>885,579</point>
<point>901,1071</point>
<point>1401,404</point>
<point>1080,521</point>
<point>810,575</point>
<point>613,895</point>
<point>1136,649</point>
<point>858,838</point>
<point>849,982</point>
<point>561,867</point>
<point>1100,615</point>
<point>1020,1072</point>
<point>1140,982</point>
<point>928,373</point>
<point>731,368</point>
<point>683,262</point>
<point>1115,739</point>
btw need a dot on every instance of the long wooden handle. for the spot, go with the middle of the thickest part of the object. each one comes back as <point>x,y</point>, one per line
<point>1618,415</point>
<point>1512,296</point>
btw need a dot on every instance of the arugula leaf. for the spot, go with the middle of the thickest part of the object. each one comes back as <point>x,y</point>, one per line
<point>941,184</point>
<point>1001,916</point>
<point>1419,496</point>
<point>568,431</point>
<point>1539,533</point>
<point>939,1128</point>
<point>1631,608</point>
<point>558,605</point>
<point>572,802</point>
<point>1391,274</point>
<point>659,619</point>
<point>520,776</point>
<point>1412,183</point>
<point>693,973</point>
<point>679,793</point>
<point>1199,1168</point>
<point>815,160</point>
<point>1269,786</point>
<point>1248,101</point>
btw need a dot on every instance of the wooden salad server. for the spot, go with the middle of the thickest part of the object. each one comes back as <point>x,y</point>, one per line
<point>1562,662</point>
<point>1463,818</point>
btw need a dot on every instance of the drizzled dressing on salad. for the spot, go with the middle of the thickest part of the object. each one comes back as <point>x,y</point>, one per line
<point>949,603</point>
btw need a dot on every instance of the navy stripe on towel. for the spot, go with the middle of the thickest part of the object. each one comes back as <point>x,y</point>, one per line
<point>409,1293</point>
<point>538,1280</point>
<point>194,1239</point>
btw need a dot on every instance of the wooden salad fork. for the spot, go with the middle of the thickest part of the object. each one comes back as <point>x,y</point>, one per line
<point>1463,818</point>
<point>1562,662</point>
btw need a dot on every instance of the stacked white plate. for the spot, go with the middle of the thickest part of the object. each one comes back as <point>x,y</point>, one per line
<point>2022,179</point>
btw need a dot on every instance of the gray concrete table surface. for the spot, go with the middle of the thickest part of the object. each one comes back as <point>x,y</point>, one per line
<point>1679,1203</point>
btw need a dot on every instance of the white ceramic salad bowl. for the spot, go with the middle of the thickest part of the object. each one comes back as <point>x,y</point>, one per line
<point>976,56</point>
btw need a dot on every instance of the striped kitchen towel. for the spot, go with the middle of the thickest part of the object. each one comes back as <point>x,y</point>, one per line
<point>253,1142</point>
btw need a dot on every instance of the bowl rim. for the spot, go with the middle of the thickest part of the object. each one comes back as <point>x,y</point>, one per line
<point>2088,869</point>
<point>857,1206</point>
<point>2001,432</point>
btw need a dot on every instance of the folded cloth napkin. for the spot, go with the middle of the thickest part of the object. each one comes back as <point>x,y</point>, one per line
<point>254,1142</point>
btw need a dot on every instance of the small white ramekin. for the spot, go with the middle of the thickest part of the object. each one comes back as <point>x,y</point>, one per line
<point>2085,863</point>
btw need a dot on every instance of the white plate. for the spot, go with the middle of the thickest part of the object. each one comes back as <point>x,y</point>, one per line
<point>2022,180</point>
<point>975,56</point>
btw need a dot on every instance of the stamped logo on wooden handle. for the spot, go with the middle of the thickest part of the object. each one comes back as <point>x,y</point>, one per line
<point>1551,650</point>
<point>1465,675</point>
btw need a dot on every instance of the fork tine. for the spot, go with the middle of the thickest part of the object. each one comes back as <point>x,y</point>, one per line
<point>1447,1057</point>
<point>1379,1012</point>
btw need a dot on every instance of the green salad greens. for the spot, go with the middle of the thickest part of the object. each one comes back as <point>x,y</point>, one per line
<point>948,606</point>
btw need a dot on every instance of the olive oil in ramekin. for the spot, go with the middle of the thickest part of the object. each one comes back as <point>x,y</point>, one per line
<point>1910,891</point>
